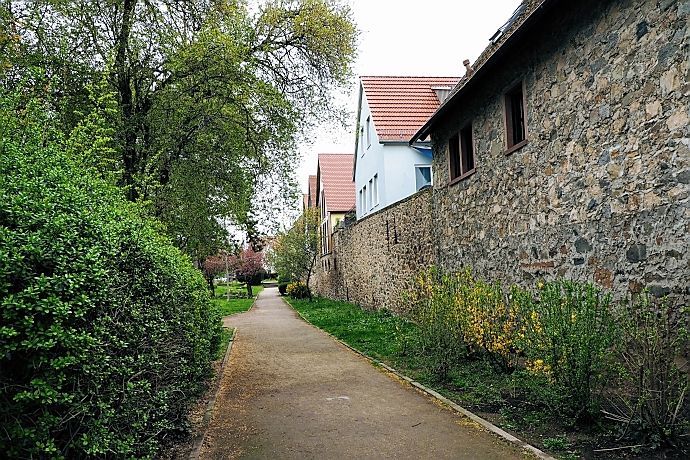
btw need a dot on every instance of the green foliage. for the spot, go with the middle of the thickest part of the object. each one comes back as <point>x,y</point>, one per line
<point>106,330</point>
<point>654,401</point>
<point>568,332</point>
<point>441,326</point>
<point>209,97</point>
<point>562,332</point>
<point>294,252</point>
<point>559,443</point>
<point>282,288</point>
<point>298,290</point>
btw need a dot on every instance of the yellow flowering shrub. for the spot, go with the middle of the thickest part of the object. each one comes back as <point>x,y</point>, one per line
<point>298,290</point>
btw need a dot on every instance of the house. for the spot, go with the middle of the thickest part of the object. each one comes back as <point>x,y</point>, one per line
<point>565,151</point>
<point>335,194</point>
<point>309,198</point>
<point>391,110</point>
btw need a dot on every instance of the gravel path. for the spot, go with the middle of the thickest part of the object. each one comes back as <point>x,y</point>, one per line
<point>292,392</point>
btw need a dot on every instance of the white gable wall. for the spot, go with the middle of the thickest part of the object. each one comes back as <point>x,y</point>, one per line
<point>394,164</point>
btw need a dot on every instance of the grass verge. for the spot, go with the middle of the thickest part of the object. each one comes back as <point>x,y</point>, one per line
<point>225,338</point>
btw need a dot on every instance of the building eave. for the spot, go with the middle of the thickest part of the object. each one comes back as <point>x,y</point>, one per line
<point>471,81</point>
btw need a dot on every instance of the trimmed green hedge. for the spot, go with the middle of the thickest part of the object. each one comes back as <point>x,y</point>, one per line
<point>106,330</point>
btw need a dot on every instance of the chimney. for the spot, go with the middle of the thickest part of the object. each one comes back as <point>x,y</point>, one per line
<point>468,67</point>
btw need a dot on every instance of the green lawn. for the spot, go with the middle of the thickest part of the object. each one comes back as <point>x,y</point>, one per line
<point>379,334</point>
<point>237,304</point>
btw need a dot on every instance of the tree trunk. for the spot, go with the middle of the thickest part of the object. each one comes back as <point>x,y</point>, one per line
<point>126,100</point>
<point>313,261</point>
<point>250,294</point>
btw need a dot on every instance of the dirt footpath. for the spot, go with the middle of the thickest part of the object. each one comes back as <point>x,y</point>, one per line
<point>292,392</point>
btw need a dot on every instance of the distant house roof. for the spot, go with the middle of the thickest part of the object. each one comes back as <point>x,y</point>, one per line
<point>401,105</point>
<point>527,14</point>
<point>312,191</point>
<point>334,173</point>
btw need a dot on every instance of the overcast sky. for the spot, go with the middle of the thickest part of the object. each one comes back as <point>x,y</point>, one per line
<point>404,37</point>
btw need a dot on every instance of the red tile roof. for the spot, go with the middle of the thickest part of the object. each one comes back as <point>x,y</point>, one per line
<point>401,105</point>
<point>334,174</point>
<point>312,191</point>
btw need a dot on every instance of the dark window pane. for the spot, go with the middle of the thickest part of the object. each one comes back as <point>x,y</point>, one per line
<point>467,149</point>
<point>454,151</point>
<point>515,116</point>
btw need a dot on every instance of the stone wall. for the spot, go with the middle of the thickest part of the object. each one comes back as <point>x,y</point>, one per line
<point>375,260</point>
<point>600,191</point>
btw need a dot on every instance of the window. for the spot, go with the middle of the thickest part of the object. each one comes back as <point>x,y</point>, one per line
<point>361,202</point>
<point>422,176</point>
<point>368,132</point>
<point>454,156</point>
<point>369,197</point>
<point>361,140</point>
<point>516,129</point>
<point>467,149</point>
<point>364,192</point>
<point>461,153</point>
<point>375,189</point>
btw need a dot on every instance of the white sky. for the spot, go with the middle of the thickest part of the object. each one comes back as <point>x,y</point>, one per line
<point>405,37</point>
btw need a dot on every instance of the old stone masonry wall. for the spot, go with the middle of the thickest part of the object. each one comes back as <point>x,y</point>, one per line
<point>601,190</point>
<point>374,261</point>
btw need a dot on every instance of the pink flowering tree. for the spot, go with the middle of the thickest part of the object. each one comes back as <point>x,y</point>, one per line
<point>248,265</point>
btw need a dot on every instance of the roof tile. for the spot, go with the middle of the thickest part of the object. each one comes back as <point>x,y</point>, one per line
<point>401,105</point>
<point>335,170</point>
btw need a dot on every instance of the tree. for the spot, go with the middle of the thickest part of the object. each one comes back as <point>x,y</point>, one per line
<point>294,252</point>
<point>248,266</point>
<point>209,96</point>
<point>214,266</point>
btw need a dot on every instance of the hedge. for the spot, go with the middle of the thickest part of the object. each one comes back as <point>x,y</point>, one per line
<point>106,330</point>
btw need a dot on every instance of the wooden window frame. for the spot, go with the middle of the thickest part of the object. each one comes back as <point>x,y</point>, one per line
<point>457,140</point>
<point>507,117</point>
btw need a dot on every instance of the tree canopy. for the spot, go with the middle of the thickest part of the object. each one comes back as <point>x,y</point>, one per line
<point>205,98</point>
<point>294,252</point>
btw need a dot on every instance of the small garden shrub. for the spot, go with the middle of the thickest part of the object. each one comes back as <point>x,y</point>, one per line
<point>654,403</point>
<point>298,290</point>
<point>568,332</point>
<point>560,333</point>
<point>434,308</point>
<point>283,284</point>
<point>106,330</point>
<point>282,288</point>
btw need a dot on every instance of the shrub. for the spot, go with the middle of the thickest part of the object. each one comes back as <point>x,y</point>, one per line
<point>106,330</point>
<point>567,336</point>
<point>298,290</point>
<point>282,288</point>
<point>653,404</point>
<point>434,308</point>
<point>562,333</point>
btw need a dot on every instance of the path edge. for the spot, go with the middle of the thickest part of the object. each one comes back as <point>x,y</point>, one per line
<point>201,435</point>
<point>487,425</point>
